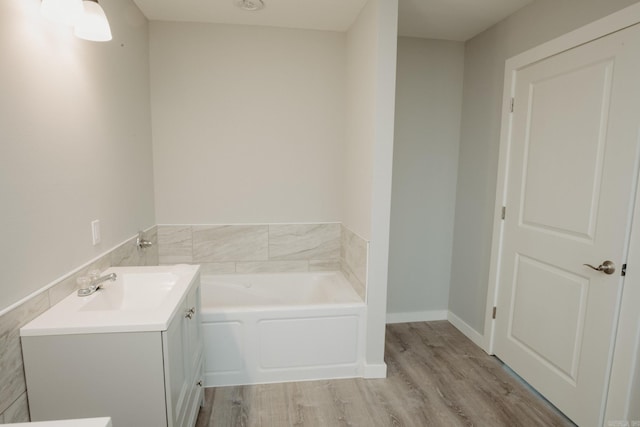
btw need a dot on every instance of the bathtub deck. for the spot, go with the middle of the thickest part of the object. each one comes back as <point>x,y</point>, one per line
<point>436,377</point>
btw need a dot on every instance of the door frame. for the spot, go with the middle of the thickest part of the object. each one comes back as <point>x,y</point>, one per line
<point>626,348</point>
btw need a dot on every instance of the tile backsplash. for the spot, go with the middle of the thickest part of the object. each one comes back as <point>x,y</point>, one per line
<point>13,397</point>
<point>225,243</point>
<point>304,242</point>
<point>353,260</point>
<point>264,248</point>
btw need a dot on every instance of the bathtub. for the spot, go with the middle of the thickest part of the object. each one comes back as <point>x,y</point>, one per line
<point>277,327</point>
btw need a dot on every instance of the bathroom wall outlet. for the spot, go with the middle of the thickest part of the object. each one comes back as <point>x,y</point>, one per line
<point>95,231</point>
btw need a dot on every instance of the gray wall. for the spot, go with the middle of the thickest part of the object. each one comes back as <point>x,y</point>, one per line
<point>485,56</point>
<point>76,143</point>
<point>425,167</point>
<point>248,123</point>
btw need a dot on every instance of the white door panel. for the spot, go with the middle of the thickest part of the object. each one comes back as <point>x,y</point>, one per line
<point>555,200</point>
<point>550,329</point>
<point>571,168</point>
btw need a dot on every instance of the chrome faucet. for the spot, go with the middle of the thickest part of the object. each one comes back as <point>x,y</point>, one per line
<point>96,284</point>
<point>141,243</point>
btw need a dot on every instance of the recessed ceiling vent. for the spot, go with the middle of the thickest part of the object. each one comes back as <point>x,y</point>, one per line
<point>250,5</point>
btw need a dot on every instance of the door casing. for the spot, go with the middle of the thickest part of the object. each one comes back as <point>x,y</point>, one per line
<point>626,350</point>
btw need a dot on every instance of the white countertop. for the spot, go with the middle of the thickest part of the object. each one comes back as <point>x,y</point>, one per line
<point>87,422</point>
<point>142,299</point>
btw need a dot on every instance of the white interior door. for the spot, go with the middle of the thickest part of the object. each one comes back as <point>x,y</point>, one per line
<point>572,164</point>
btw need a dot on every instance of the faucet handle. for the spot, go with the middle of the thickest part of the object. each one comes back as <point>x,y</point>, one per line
<point>83,281</point>
<point>84,286</point>
<point>84,292</point>
<point>141,243</point>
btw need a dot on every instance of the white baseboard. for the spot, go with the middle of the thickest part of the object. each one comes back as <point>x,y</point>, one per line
<point>378,370</point>
<point>417,316</point>
<point>467,330</point>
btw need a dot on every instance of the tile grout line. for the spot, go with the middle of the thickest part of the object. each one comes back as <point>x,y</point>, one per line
<point>14,402</point>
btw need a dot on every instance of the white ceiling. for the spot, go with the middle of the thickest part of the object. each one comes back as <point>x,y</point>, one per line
<point>452,19</point>
<point>439,19</point>
<point>330,15</point>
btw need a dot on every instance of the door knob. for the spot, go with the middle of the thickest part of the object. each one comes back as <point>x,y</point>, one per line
<point>607,267</point>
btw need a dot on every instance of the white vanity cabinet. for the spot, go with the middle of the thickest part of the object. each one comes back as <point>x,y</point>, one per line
<point>140,375</point>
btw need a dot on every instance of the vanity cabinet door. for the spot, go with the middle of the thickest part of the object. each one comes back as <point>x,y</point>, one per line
<point>183,348</point>
<point>194,328</point>
<point>177,375</point>
<point>193,356</point>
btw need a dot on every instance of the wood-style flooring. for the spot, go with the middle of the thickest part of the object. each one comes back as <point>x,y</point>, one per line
<point>436,377</point>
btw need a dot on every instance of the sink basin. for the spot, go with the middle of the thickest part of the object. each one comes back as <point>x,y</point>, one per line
<point>141,299</point>
<point>132,291</point>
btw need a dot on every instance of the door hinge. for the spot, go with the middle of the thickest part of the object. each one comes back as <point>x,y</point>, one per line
<point>504,212</point>
<point>624,270</point>
<point>493,315</point>
<point>513,101</point>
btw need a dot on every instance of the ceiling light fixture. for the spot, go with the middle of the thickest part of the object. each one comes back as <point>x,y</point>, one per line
<point>250,5</point>
<point>93,25</point>
<point>87,17</point>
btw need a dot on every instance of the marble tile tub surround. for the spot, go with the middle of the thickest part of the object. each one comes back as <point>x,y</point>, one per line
<point>354,252</point>
<point>13,398</point>
<point>263,248</point>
